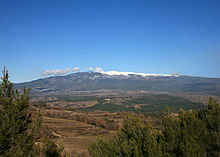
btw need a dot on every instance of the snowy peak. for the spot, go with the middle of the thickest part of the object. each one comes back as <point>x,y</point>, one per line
<point>113,73</point>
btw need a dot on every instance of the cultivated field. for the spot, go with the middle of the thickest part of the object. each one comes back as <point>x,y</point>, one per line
<point>75,136</point>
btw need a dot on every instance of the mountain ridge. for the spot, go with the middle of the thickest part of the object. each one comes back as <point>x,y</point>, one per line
<point>131,81</point>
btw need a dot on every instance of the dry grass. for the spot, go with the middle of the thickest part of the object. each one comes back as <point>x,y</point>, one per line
<point>73,135</point>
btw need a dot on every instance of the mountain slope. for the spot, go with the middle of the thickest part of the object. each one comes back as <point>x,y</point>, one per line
<point>83,81</point>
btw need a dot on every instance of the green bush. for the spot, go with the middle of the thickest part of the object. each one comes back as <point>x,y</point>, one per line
<point>49,148</point>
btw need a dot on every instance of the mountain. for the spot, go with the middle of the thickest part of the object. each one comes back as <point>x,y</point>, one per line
<point>83,81</point>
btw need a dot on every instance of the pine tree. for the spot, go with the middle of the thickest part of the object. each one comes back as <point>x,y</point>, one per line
<point>135,139</point>
<point>211,116</point>
<point>18,126</point>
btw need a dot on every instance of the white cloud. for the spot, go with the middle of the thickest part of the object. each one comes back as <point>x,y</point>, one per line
<point>176,74</point>
<point>59,71</point>
<point>95,69</point>
<point>98,70</point>
<point>46,73</point>
<point>76,69</point>
<point>90,69</point>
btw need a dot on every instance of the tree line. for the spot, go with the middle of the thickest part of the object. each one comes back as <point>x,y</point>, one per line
<point>194,133</point>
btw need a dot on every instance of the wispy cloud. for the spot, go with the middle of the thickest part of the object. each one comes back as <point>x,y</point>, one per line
<point>95,69</point>
<point>90,69</point>
<point>46,73</point>
<point>59,71</point>
<point>176,74</point>
<point>76,69</point>
<point>98,70</point>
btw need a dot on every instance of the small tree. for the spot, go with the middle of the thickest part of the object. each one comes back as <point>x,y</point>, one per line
<point>18,126</point>
<point>49,148</point>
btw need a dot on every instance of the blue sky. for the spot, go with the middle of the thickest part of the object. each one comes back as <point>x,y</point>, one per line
<point>148,36</point>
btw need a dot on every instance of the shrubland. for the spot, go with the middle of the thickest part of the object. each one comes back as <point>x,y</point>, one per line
<point>191,133</point>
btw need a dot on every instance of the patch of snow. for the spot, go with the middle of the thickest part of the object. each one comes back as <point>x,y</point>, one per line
<point>112,73</point>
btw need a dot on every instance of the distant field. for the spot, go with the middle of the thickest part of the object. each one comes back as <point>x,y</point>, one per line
<point>73,135</point>
<point>150,104</point>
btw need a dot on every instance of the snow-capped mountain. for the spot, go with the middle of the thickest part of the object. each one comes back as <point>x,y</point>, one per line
<point>114,80</point>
